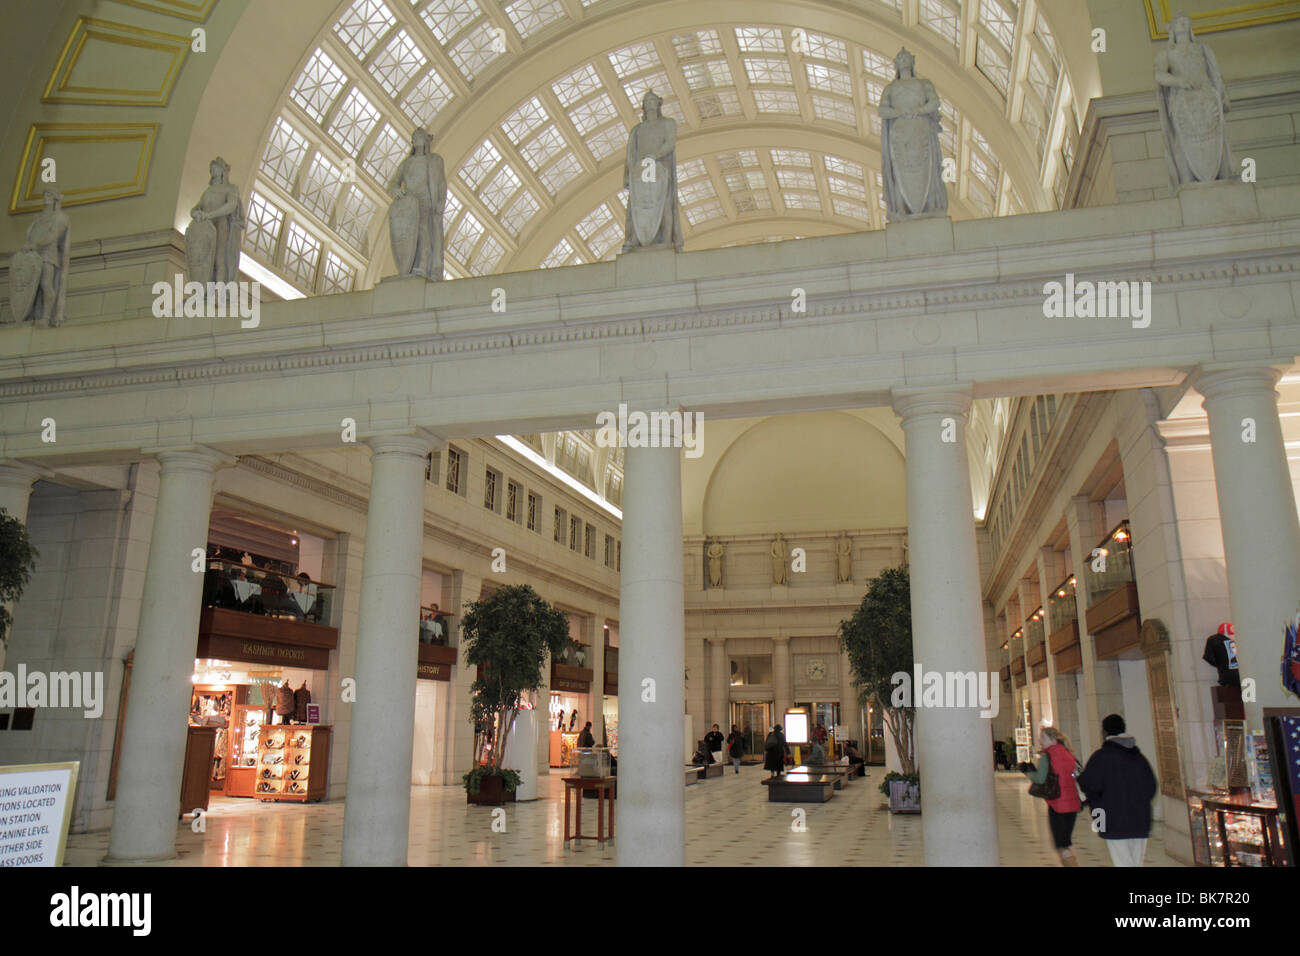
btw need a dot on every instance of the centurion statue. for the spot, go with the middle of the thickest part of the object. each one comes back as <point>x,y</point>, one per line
<point>38,273</point>
<point>650,175</point>
<point>415,217</point>
<point>1192,103</point>
<point>216,229</point>
<point>910,158</point>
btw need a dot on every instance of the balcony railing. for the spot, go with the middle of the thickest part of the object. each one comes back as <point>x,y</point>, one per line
<point>231,586</point>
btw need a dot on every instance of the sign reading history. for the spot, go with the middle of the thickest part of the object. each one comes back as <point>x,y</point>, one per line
<point>35,809</point>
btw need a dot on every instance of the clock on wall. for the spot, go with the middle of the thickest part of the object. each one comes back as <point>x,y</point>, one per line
<point>816,669</point>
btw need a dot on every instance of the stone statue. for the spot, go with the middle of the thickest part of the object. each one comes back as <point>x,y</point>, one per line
<point>216,229</point>
<point>1192,102</point>
<point>906,553</point>
<point>38,273</point>
<point>910,158</point>
<point>650,176</point>
<point>778,559</point>
<point>715,552</point>
<point>844,558</point>
<point>419,188</point>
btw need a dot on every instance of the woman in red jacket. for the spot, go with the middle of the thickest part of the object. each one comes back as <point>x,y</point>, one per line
<point>1062,811</point>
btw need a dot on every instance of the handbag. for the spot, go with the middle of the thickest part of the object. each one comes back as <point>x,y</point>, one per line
<point>1049,789</point>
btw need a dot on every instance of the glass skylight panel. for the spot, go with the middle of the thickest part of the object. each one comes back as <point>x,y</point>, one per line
<point>517,215</point>
<point>801,200</point>
<point>451,210</point>
<point>429,95</point>
<point>464,236</point>
<point>523,119</point>
<point>475,51</point>
<point>772,71</point>
<point>561,172</point>
<point>388,149</point>
<point>400,60</point>
<point>696,190</point>
<point>529,16</point>
<point>354,217</point>
<point>878,65</point>
<point>262,227</point>
<point>846,187</point>
<point>589,224</point>
<point>634,59</point>
<point>446,18</point>
<point>574,86</point>
<point>542,147</point>
<point>981,199</point>
<point>739,159</point>
<point>703,212</point>
<point>717,103</point>
<point>559,256</point>
<point>993,63</point>
<point>796,179</point>
<point>791,157</point>
<point>320,82</point>
<point>745,180</point>
<point>824,77</point>
<point>320,186</point>
<point>752,201</point>
<point>943,17</point>
<point>362,25</point>
<point>301,254</point>
<point>589,114</point>
<point>1044,33</point>
<point>874,93</point>
<point>479,163</point>
<point>337,275</point>
<point>285,151</point>
<point>833,108</point>
<point>705,74</point>
<point>760,40</point>
<point>854,210</point>
<point>983,170</point>
<point>1041,77</point>
<point>826,48</point>
<point>500,188</point>
<point>776,101</point>
<point>485,258</point>
<point>353,121</point>
<point>607,141</point>
<point>658,81</point>
<point>690,169</point>
<point>606,240</point>
<point>1036,127</point>
<point>697,43</point>
<point>998,21</point>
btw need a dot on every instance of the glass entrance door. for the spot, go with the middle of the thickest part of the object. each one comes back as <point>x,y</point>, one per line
<point>754,718</point>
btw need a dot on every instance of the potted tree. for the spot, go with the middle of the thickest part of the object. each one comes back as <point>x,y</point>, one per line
<point>17,562</point>
<point>878,642</point>
<point>507,635</point>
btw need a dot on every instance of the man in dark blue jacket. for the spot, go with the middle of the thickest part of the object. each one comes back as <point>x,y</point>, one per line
<point>1119,783</point>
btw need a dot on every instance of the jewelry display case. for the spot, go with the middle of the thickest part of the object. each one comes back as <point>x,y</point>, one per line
<point>293,762</point>
<point>1230,830</point>
<point>246,721</point>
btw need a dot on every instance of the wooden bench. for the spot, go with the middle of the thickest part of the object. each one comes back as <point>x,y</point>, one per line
<point>841,774</point>
<point>800,787</point>
<point>694,775</point>
<point>712,770</point>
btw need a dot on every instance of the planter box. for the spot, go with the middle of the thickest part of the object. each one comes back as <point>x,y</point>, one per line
<point>491,793</point>
<point>1017,665</point>
<point>1067,636</point>
<point>1037,655</point>
<point>1117,638</point>
<point>1112,608</point>
<point>904,797</point>
<point>1070,659</point>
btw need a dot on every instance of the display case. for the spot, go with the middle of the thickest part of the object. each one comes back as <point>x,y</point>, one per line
<point>562,741</point>
<point>245,732</point>
<point>1231,830</point>
<point>293,762</point>
<point>589,761</point>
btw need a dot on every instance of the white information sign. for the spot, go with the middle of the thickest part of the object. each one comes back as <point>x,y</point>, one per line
<point>35,810</point>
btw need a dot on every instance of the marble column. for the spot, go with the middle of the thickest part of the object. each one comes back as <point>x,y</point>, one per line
<point>153,739</point>
<point>651,795</point>
<point>720,696</point>
<point>955,755</point>
<point>782,691</point>
<point>377,815</point>
<point>1261,531</point>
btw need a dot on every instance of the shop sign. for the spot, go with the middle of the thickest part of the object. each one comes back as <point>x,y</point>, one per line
<point>433,672</point>
<point>35,810</point>
<point>313,713</point>
<point>570,685</point>
<point>262,652</point>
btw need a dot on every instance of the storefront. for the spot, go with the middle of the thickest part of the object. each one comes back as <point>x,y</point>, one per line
<point>570,706</point>
<point>435,657</point>
<point>610,708</point>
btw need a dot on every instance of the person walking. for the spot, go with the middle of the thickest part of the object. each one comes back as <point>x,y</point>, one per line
<point>774,752</point>
<point>735,746</point>
<point>1119,786</point>
<point>1063,809</point>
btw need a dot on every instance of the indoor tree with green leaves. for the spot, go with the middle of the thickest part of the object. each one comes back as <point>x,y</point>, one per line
<point>878,642</point>
<point>508,635</point>
<point>17,562</point>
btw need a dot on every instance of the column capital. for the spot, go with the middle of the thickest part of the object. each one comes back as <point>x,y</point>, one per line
<point>416,444</point>
<point>911,404</point>
<point>19,474</point>
<point>781,639</point>
<point>1231,381</point>
<point>195,458</point>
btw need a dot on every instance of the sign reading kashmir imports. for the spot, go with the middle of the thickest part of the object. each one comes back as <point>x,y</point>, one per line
<point>35,809</point>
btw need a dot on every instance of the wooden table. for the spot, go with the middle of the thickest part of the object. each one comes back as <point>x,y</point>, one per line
<point>601,785</point>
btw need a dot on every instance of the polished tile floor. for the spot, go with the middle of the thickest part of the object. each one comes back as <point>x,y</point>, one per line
<point>728,823</point>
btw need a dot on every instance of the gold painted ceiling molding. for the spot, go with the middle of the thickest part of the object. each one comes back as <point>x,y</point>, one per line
<point>95,162</point>
<point>105,41</point>
<point>196,10</point>
<point>1231,16</point>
